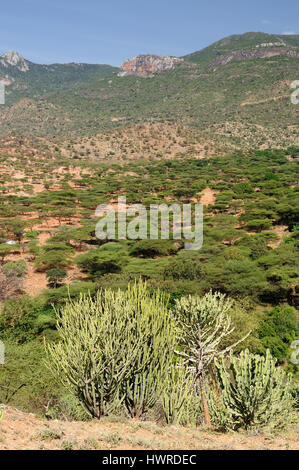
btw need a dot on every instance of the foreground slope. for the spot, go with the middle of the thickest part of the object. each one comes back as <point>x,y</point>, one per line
<point>26,431</point>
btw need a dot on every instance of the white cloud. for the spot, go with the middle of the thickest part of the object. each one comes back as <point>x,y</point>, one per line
<point>266,22</point>
<point>288,33</point>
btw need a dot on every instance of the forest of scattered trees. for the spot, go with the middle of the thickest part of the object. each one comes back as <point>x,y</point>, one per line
<point>226,314</point>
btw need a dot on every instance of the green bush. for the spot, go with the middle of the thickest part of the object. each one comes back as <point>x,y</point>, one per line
<point>100,262</point>
<point>187,267</point>
<point>24,318</point>
<point>15,269</point>
<point>153,248</point>
<point>277,330</point>
<point>55,276</point>
<point>24,380</point>
<point>115,348</point>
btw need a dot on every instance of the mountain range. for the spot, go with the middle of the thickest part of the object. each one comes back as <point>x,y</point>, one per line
<point>236,90</point>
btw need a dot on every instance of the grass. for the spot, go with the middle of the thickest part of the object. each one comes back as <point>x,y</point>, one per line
<point>69,444</point>
<point>113,438</point>
<point>50,434</point>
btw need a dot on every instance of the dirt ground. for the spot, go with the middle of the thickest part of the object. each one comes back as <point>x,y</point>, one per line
<point>20,430</point>
<point>207,197</point>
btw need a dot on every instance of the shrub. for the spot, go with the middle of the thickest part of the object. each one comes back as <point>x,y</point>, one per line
<point>24,318</point>
<point>115,348</point>
<point>100,262</point>
<point>178,395</point>
<point>184,268</point>
<point>254,394</point>
<point>55,276</point>
<point>54,255</point>
<point>277,330</point>
<point>259,224</point>
<point>152,248</point>
<point>15,269</point>
<point>11,280</point>
<point>24,381</point>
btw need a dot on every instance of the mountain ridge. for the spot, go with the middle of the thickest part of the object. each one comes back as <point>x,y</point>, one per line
<point>234,41</point>
<point>237,89</point>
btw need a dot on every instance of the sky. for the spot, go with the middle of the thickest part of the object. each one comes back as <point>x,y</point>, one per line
<point>109,32</point>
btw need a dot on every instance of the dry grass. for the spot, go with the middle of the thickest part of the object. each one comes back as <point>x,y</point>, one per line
<point>25,431</point>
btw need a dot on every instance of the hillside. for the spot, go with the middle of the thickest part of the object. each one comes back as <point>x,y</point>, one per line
<point>25,79</point>
<point>237,90</point>
<point>246,43</point>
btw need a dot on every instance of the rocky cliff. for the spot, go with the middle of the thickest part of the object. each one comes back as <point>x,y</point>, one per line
<point>13,59</point>
<point>148,65</point>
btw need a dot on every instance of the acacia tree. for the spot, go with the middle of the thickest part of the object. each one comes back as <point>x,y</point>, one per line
<point>55,276</point>
<point>16,226</point>
<point>205,322</point>
<point>4,251</point>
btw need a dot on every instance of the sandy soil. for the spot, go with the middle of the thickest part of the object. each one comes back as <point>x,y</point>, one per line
<point>281,231</point>
<point>207,197</point>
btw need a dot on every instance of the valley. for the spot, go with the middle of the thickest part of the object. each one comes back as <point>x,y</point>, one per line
<point>215,127</point>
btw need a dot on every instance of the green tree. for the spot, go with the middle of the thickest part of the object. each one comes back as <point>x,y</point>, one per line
<point>5,250</point>
<point>55,276</point>
<point>277,330</point>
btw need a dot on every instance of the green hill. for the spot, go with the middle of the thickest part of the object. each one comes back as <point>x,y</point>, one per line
<point>28,80</point>
<point>241,42</point>
<point>237,89</point>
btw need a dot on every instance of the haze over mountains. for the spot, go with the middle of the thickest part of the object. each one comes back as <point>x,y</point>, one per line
<point>237,89</point>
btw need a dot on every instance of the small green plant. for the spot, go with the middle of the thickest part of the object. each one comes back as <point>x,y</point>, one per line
<point>90,443</point>
<point>69,445</point>
<point>50,434</point>
<point>113,438</point>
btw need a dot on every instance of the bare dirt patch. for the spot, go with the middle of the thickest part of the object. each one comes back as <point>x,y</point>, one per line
<point>282,232</point>
<point>207,197</point>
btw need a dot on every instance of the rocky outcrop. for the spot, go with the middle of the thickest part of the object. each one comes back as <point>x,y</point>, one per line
<point>148,65</point>
<point>261,52</point>
<point>270,44</point>
<point>13,59</point>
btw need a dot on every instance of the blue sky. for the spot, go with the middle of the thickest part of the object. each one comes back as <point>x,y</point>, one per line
<point>96,31</point>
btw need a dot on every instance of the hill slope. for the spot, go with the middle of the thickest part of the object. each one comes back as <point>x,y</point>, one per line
<point>24,79</point>
<point>254,42</point>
